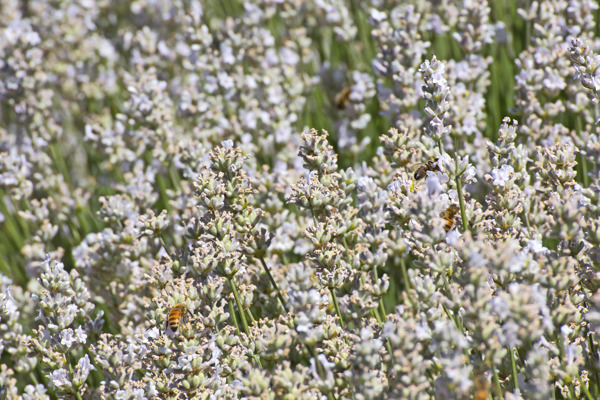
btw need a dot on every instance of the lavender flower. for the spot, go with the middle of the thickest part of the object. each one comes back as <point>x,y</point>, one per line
<point>194,203</point>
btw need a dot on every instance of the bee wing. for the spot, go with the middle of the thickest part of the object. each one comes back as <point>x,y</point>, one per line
<point>449,215</point>
<point>430,163</point>
<point>414,166</point>
<point>453,209</point>
<point>449,212</point>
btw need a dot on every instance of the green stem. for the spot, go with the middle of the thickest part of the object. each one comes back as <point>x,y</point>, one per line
<point>497,383</point>
<point>80,216</point>
<point>33,378</point>
<point>388,346</point>
<point>452,316</point>
<point>347,251</point>
<point>76,392</point>
<point>174,177</point>
<point>251,317</point>
<point>337,307</point>
<point>59,162</point>
<point>239,304</point>
<point>375,314</point>
<point>460,325</point>
<point>449,315</point>
<point>407,283</point>
<point>461,202</point>
<point>20,222</point>
<point>526,215</point>
<point>373,311</point>
<point>320,369</point>
<point>279,295</point>
<point>93,220</point>
<point>572,391</point>
<point>232,312</point>
<point>164,245</point>
<point>560,345</point>
<point>242,314</point>
<point>312,213</point>
<point>513,367</point>
<point>584,170</point>
<point>588,395</point>
<point>382,309</point>
<point>594,356</point>
<point>381,305</point>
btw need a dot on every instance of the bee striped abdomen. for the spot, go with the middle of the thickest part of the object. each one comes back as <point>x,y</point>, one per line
<point>449,215</point>
<point>175,316</point>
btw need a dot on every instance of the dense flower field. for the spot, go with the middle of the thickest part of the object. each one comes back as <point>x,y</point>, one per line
<point>293,199</point>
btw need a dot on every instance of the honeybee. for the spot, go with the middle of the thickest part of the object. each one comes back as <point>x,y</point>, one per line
<point>175,316</point>
<point>481,386</point>
<point>421,172</point>
<point>342,98</point>
<point>481,394</point>
<point>449,215</point>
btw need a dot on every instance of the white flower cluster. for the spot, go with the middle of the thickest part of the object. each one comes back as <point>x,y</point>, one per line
<point>194,203</point>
